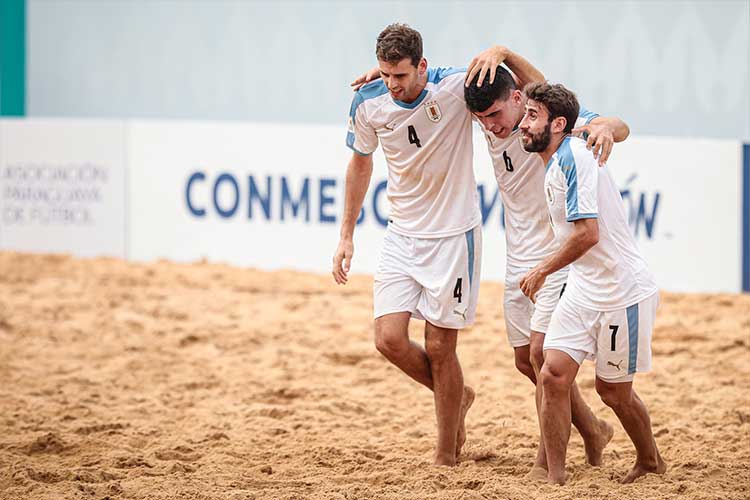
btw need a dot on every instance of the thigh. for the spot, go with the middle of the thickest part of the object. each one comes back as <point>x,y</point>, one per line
<point>572,331</point>
<point>624,341</point>
<point>449,271</point>
<point>547,299</point>
<point>395,289</point>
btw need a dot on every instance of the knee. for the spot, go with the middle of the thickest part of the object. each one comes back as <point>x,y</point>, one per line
<point>389,344</point>
<point>523,364</point>
<point>536,356</point>
<point>613,396</point>
<point>554,382</point>
<point>439,349</point>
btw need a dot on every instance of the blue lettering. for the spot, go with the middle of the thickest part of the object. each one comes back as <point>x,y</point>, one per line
<point>304,199</point>
<point>226,178</point>
<point>487,209</point>
<point>265,201</point>
<point>375,196</point>
<point>197,212</point>
<point>361,217</point>
<point>642,217</point>
<point>325,201</point>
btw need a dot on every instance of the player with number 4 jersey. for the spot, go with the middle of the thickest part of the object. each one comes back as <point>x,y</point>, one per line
<point>430,263</point>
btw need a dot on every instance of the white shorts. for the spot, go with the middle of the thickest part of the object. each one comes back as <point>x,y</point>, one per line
<point>435,279</point>
<point>523,316</point>
<point>619,341</point>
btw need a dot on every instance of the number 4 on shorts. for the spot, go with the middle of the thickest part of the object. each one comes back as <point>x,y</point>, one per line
<point>457,290</point>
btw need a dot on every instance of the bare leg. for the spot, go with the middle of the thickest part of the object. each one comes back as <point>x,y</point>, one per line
<point>557,376</point>
<point>634,417</point>
<point>539,469</point>
<point>596,433</point>
<point>392,340</point>
<point>448,380</point>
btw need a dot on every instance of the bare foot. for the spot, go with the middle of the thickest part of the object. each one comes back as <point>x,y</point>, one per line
<point>557,480</point>
<point>466,401</point>
<point>595,448</point>
<point>537,473</point>
<point>643,469</point>
<point>445,460</point>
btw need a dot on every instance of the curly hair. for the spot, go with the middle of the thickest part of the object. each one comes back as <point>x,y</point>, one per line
<point>558,100</point>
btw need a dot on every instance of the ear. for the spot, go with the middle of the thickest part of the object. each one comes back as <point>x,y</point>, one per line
<point>517,96</point>
<point>558,125</point>
<point>422,66</point>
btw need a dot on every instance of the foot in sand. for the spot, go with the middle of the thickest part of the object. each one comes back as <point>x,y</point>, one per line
<point>466,401</point>
<point>537,473</point>
<point>595,447</point>
<point>640,469</point>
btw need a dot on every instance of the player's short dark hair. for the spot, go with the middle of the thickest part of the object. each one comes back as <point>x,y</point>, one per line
<point>398,41</point>
<point>479,99</point>
<point>558,100</point>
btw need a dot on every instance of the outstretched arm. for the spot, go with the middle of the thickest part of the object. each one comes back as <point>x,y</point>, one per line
<point>357,180</point>
<point>603,132</point>
<point>490,59</point>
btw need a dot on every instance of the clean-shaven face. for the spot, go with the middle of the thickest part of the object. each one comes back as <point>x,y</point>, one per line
<point>535,128</point>
<point>402,79</point>
<point>502,116</point>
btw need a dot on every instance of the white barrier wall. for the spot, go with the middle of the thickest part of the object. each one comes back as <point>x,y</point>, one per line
<point>270,196</point>
<point>63,186</point>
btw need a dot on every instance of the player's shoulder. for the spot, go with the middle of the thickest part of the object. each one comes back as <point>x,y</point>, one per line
<point>372,90</point>
<point>571,155</point>
<point>440,74</point>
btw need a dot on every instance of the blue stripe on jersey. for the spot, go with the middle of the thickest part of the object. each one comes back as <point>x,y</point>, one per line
<point>412,105</point>
<point>470,245</point>
<point>350,144</point>
<point>586,114</point>
<point>567,164</point>
<point>582,216</point>
<point>369,91</point>
<point>434,75</point>
<point>632,314</point>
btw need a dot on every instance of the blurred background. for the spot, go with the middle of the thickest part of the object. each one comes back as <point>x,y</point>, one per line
<point>211,126</point>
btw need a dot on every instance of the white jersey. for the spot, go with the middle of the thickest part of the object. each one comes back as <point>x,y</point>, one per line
<point>612,274</point>
<point>428,148</point>
<point>529,238</point>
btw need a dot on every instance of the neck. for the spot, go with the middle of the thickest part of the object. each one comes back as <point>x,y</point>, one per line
<point>421,84</point>
<point>553,145</point>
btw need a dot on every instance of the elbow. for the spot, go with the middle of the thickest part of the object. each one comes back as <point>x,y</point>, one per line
<point>624,132</point>
<point>591,236</point>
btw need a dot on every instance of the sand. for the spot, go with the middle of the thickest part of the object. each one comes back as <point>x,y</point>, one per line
<point>165,381</point>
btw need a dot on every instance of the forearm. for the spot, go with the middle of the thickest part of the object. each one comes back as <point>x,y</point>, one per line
<point>522,68</point>
<point>573,249</point>
<point>357,180</point>
<point>620,129</point>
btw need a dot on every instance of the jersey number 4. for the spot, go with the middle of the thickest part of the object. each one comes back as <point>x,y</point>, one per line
<point>457,290</point>
<point>413,137</point>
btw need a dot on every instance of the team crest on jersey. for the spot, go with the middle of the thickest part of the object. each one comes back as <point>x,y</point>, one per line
<point>550,194</point>
<point>433,111</point>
